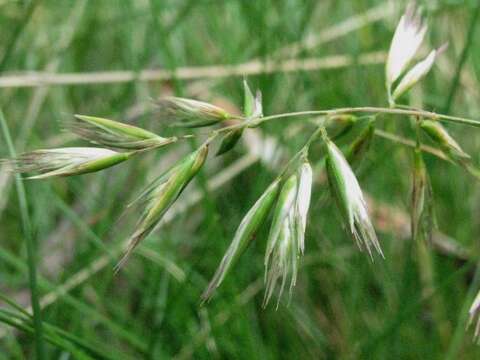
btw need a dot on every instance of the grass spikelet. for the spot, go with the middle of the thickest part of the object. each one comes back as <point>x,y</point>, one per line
<point>416,73</point>
<point>248,100</point>
<point>349,198</point>
<point>191,113</point>
<point>286,201</point>
<point>340,125</point>
<point>286,240</point>
<point>67,161</point>
<point>282,249</point>
<point>250,224</point>
<point>422,214</point>
<point>252,110</point>
<point>283,259</point>
<point>406,41</point>
<point>449,146</point>
<point>160,196</point>
<point>302,204</point>
<point>229,140</point>
<point>115,134</point>
<point>359,147</point>
<point>252,106</point>
<point>447,143</point>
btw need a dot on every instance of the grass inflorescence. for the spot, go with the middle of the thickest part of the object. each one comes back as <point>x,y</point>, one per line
<point>274,228</point>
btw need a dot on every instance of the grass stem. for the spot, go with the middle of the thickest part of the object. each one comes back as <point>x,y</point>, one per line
<point>372,110</point>
<point>31,248</point>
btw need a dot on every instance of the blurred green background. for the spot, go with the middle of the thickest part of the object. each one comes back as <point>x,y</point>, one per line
<point>58,58</point>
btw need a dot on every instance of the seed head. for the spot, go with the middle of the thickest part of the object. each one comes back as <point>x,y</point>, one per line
<point>406,41</point>
<point>252,104</point>
<point>349,198</point>
<point>191,113</point>
<point>116,135</point>
<point>360,146</point>
<point>340,125</point>
<point>417,72</point>
<point>252,110</point>
<point>67,161</point>
<point>229,140</point>
<point>302,204</point>
<point>422,214</point>
<point>450,147</point>
<point>287,233</point>
<point>160,196</point>
<point>250,224</point>
<point>281,254</point>
<point>446,142</point>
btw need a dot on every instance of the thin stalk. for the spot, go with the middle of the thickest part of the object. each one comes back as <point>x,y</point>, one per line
<point>373,110</point>
<point>303,151</point>
<point>426,266</point>
<point>410,143</point>
<point>316,134</point>
<point>31,250</point>
<point>340,111</point>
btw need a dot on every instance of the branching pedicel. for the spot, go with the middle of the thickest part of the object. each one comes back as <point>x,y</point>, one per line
<point>288,197</point>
